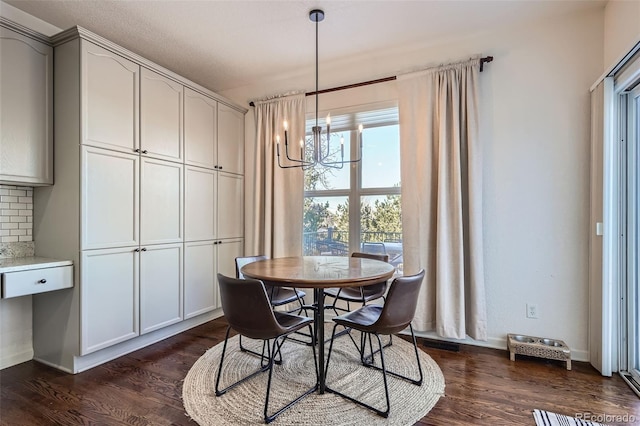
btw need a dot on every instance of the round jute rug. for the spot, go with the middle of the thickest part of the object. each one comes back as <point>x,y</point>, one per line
<point>244,404</point>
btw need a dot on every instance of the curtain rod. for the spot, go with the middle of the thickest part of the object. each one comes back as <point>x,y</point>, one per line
<point>379,80</point>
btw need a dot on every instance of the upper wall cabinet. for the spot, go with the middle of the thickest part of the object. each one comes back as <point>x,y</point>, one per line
<point>230,140</point>
<point>160,116</point>
<point>26,105</point>
<point>109,99</point>
<point>200,122</point>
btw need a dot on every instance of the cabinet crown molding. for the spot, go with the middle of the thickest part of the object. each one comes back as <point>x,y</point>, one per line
<point>27,32</point>
<point>82,33</point>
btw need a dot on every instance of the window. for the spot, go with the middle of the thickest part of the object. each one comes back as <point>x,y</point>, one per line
<point>331,225</point>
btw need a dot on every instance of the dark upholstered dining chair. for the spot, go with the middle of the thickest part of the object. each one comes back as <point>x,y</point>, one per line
<point>278,296</point>
<point>396,314</point>
<point>247,309</point>
<point>358,294</point>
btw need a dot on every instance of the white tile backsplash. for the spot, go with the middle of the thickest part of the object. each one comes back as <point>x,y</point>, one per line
<point>16,212</point>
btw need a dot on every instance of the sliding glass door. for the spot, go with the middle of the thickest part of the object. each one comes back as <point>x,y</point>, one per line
<point>630,199</point>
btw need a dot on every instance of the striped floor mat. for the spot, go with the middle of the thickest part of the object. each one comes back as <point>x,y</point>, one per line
<point>547,418</point>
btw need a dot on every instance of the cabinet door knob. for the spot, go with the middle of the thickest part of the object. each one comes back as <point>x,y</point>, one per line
<point>42,281</point>
<point>220,167</point>
<point>143,249</point>
<point>136,250</point>
<point>144,151</point>
<point>137,150</point>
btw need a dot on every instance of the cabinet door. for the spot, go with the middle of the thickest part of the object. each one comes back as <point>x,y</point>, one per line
<point>200,118</point>
<point>160,202</point>
<point>199,278</point>
<point>160,286</point>
<point>109,99</point>
<point>109,207</point>
<point>108,298</point>
<point>26,102</point>
<point>160,116</point>
<point>199,204</point>
<point>230,140</point>
<point>230,206</point>
<point>228,250</point>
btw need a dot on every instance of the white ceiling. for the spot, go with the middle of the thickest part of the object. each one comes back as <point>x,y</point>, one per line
<point>227,44</point>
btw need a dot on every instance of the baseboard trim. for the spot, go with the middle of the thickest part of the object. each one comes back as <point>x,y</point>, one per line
<point>16,358</point>
<point>86,362</point>
<point>492,343</point>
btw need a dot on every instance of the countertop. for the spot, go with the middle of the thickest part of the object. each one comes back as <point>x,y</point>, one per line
<point>14,264</point>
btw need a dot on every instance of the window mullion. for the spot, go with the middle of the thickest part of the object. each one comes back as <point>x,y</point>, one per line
<point>354,195</point>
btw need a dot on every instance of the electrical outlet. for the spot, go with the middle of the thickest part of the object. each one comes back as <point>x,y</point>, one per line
<point>532,311</point>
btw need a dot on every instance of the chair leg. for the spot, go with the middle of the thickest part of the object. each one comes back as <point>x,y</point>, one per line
<point>384,377</point>
<point>417,382</point>
<point>415,348</point>
<point>263,358</point>
<point>220,392</point>
<point>272,353</point>
<point>369,359</point>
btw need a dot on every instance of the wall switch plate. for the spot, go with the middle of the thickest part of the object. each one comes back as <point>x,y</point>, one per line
<point>599,228</point>
<point>532,310</point>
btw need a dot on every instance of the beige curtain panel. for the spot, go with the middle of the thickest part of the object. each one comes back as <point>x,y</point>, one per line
<point>274,226</point>
<point>441,174</point>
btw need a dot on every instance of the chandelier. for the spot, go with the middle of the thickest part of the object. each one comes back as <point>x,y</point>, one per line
<point>321,154</point>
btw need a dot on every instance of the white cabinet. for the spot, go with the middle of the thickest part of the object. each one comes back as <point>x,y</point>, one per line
<point>200,122</point>
<point>110,94</point>
<point>122,194</point>
<point>202,261</point>
<point>160,202</point>
<point>230,206</point>
<point>214,134</point>
<point>230,140</point>
<point>110,202</point>
<point>160,116</point>
<point>199,277</point>
<point>109,297</point>
<point>200,203</point>
<point>228,250</point>
<point>138,204</point>
<point>26,110</point>
<point>160,286</point>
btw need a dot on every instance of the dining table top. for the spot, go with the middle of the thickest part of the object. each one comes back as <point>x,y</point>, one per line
<point>319,271</point>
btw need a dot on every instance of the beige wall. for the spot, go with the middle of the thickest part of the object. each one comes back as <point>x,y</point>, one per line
<point>535,130</point>
<point>621,29</point>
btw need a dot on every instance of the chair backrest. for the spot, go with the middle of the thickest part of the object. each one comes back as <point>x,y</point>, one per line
<point>241,261</point>
<point>400,306</point>
<point>247,308</point>
<point>377,288</point>
<point>382,257</point>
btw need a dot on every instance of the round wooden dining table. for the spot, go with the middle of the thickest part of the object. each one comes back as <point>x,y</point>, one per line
<point>318,273</point>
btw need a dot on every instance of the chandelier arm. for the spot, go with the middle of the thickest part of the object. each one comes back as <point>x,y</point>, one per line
<point>291,166</point>
<point>286,149</point>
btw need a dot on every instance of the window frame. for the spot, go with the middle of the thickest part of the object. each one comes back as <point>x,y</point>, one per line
<point>355,191</point>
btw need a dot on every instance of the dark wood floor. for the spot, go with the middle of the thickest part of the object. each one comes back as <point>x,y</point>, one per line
<point>144,388</point>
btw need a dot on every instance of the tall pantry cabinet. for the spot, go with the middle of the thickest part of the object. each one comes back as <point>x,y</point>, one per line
<point>147,202</point>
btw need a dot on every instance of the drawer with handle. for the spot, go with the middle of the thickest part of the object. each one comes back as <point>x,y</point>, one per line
<point>32,281</point>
